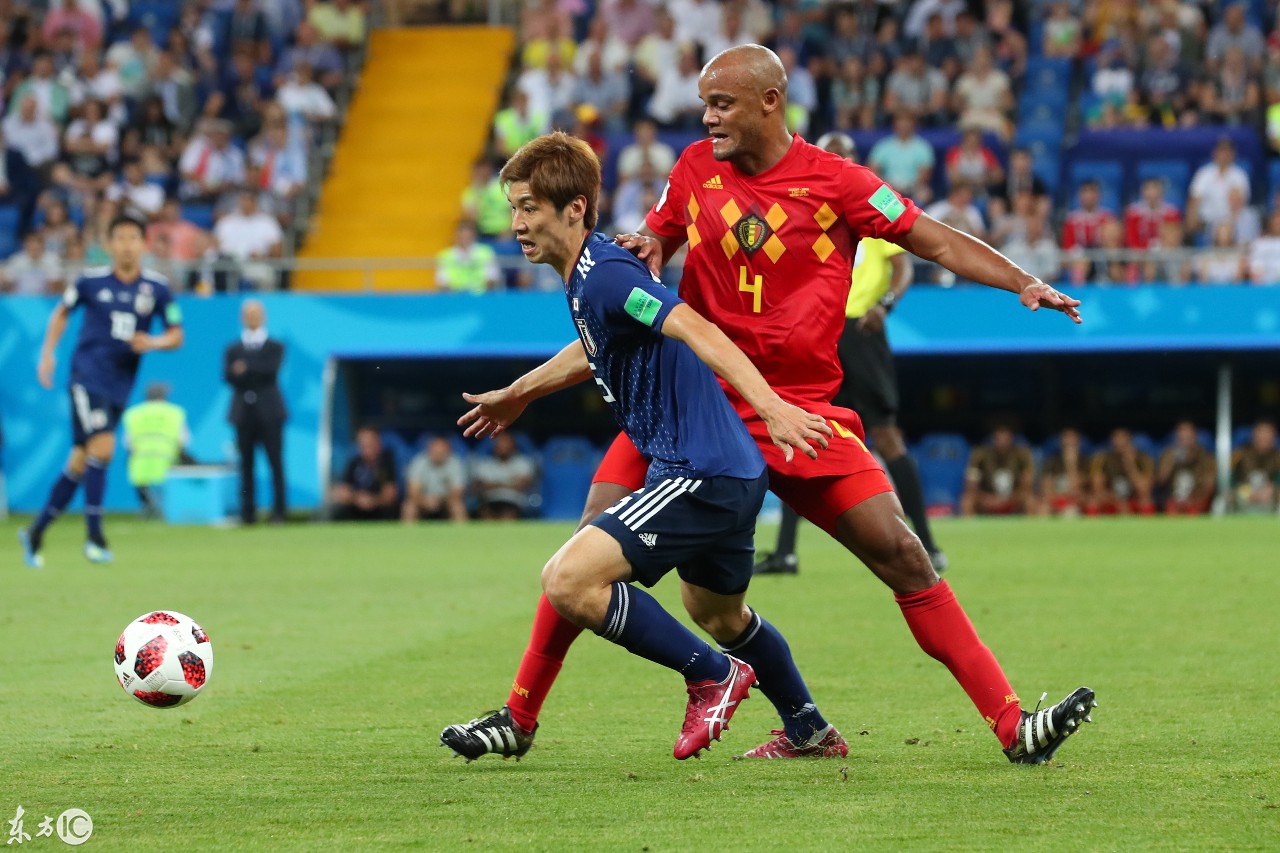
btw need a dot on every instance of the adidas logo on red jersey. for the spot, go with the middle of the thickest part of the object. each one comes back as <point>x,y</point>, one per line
<point>713,184</point>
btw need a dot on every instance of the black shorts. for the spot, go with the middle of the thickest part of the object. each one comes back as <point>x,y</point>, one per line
<point>870,383</point>
<point>91,414</point>
<point>703,528</point>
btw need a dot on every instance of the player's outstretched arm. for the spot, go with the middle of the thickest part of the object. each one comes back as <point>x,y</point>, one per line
<point>969,257</point>
<point>649,247</point>
<point>494,411</point>
<point>53,333</point>
<point>170,339</point>
<point>789,426</point>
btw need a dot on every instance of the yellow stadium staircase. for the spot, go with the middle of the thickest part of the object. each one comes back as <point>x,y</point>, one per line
<point>416,124</point>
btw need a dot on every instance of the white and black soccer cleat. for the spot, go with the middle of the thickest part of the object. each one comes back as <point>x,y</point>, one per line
<point>494,733</point>
<point>1042,731</point>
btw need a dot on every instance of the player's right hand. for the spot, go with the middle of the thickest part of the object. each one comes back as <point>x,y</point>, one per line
<point>45,370</point>
<point>792,428</point>
<point>647,249</point>
<point>494,411</point>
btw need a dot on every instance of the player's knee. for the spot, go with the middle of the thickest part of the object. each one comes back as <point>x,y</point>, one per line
<point>558,584</point>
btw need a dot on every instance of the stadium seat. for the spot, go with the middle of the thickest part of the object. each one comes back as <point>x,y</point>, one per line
<point>568,464</point>
<point>1176,175</point>
<point>1241,436</point>
<point>1051,101</point>
<point>942,458</point>
<point>401,449</point>
<point>1044,73</point>
<point>1144,444</point>
<point>1273,181</point>
<point>9,242</point>
<point>1110,177</point>
<point>198,214</point>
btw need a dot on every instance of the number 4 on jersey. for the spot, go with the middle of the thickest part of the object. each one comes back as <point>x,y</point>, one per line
<point>755,288</point>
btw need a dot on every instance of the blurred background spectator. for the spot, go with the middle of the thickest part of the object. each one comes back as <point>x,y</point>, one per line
<point>367,490</point>
<point>435,484</point>
<point>503,480</point>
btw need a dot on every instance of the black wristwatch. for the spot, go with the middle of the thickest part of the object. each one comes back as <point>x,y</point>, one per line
<point>887,301</point>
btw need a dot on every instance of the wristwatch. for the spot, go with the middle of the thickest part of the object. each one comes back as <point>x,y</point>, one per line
<point>887,301</point>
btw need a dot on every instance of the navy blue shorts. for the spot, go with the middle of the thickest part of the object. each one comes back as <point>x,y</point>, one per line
<point>702,528</point>
<point>91,414</point>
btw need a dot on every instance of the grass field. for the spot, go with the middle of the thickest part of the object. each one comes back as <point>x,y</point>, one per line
<point>342,651</point>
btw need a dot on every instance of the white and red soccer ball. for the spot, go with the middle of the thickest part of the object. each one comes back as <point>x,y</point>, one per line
<point>163,659</point>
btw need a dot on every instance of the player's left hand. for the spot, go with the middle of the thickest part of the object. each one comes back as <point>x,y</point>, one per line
<point>792,428</point>
<point>872,322</point>
<point>141,342</point>
<point>1039,294</point>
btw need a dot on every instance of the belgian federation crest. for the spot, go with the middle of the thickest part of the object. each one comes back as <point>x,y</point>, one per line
<point>751,232</point>
<point>587,341</point>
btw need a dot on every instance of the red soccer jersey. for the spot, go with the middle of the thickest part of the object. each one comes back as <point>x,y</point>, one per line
<point>771,255</point>
<point>1142,224</point>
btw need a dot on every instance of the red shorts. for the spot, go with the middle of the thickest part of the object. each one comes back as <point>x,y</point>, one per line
<point>844,475</point>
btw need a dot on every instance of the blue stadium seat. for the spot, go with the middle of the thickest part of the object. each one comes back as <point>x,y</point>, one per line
<point>1176,175</point>
<point>1242,435</point>
<point>1143,443</point>
<point>9,242</point>
<point>1048,168</point>
<point>401,449</point>
<point>1045,73</point>
<point>198,214</point>
<point>1273,182</point>
<point>568,464</point>
<point>1108,173</point>
<point>1035,101</point>
<point>941,458</point>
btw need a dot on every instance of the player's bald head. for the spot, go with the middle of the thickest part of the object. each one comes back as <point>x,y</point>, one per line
<point>749,67</point>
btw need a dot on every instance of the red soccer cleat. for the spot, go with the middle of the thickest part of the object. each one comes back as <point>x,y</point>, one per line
<point>711,705</point>
<point>830,745</point>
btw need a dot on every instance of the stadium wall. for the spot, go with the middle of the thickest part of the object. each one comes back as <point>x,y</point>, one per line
<point>316,329</point>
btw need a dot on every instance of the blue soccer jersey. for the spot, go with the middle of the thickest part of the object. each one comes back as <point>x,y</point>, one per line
<point>662,395</point>
<point>104,363</point>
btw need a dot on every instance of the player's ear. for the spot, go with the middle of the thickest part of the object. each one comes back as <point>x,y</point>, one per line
<point>578,209</point>
<point>771,100</point>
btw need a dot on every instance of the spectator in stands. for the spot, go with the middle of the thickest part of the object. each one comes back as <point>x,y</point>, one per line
<point>1021,177</point>
<point>969,37</point>
<point>1122,478</point>
<point>1062,32</point>
<point>793,32</point>
<point>1064,482</point>
<point>920,13</point>
<point>367,489</point>
<point>802,92</point>
<point>1246,224</point>
<point>628,20</point>
<point>1255,471</point>
<point>250,237</point>
<point>467,266</point>
<point>1235,31</point>
<point>32,135</point>
<point>848,39</point>
<point>186,239</point>
<point>89,148</point>
<point>1111,266</point>
<point>82,20</point>
<point>1083,226</point>
<point>629,200</point>
<point>51,96</point>
<point>855,94</point>
<point>58,230</point>
<point>904,159</point>
<point>696,21</point>
<point>210,164</point>
<point>92,80</point>
<point>34,271</point>
<point>485,203</point>
<point>551,90</point>
<point>959,211</point>
<point>517,124</point>
<point>325,61</point>
<point>1264,254</point>
<point>341,23</point>
<point>175,87</point>
<point>138,197</point>
<point>972,162</point>
<point>1170,264</point>
<point>1009,45</point>
<point>614,52</point>
<point>938,47</point>
<point>546,32</point>
<point>1222,262</point>
<point>890,46</point>
<point>303,98</point>
<point>246,25</point>
<point>1143,218</point>
<point>132,60</point>
<point>983,96</point>
<point>435,485</point>
<point>1113,75</point>
<point>1163,83</point>
<point>999,479</point>
<point>1208,199</point>
<point>503,481</point>
<point>151,126</point>
<point>1009,222</point>
<point>1232,97</point>
<point>916,89</point>
<point>1186,475</point>
<point>1035,250</point>
<point>675,101</point>
<point>281,163</point>
<point>646,148</point>
<point>733,31</point>
<point>605,90</point>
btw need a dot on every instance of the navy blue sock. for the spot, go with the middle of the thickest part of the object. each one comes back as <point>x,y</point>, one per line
<point>637,622</point>
<point>766,651</point>
<point>95,485</point>
<point>59,496</point>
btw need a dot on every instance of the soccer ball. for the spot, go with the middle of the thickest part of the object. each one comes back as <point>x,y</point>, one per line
<point>163,659</point>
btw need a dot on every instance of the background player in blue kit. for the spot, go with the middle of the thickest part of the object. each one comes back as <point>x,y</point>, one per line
<point>120,302</point>
<point>653,357</point>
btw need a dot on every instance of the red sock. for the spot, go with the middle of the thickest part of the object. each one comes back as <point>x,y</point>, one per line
<point>942,629</point>
<point>548,644</point>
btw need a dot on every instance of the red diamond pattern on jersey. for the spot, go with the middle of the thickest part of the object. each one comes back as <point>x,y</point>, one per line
<point>150,656</point>
<point>158,700</point>
<point>120,650</point>
<point>830,745</point>
<point>198,633</point>
<point>159,618</point>
<point>192,669</point>
<point>711,706</point>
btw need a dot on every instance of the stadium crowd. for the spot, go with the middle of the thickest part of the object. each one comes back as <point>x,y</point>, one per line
<point>198,117</point>
<point>952,96</point>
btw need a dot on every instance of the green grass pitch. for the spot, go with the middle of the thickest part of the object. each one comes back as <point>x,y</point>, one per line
<point>340,652</point>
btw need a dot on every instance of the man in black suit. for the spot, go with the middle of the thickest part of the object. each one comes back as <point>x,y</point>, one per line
<point>251,367</point>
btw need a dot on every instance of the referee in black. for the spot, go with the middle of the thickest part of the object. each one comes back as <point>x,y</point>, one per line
<point>882,272</point>
<point>252,367</point>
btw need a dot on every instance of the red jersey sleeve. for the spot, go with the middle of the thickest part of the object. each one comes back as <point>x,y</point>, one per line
<point>872,208</point>
<point>669,217</point>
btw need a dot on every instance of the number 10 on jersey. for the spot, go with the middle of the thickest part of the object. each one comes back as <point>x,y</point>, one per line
<point>755,288</point>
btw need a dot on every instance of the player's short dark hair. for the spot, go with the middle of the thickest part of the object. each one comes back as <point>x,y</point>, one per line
<point>559,168</point>
<point>125,219</point>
